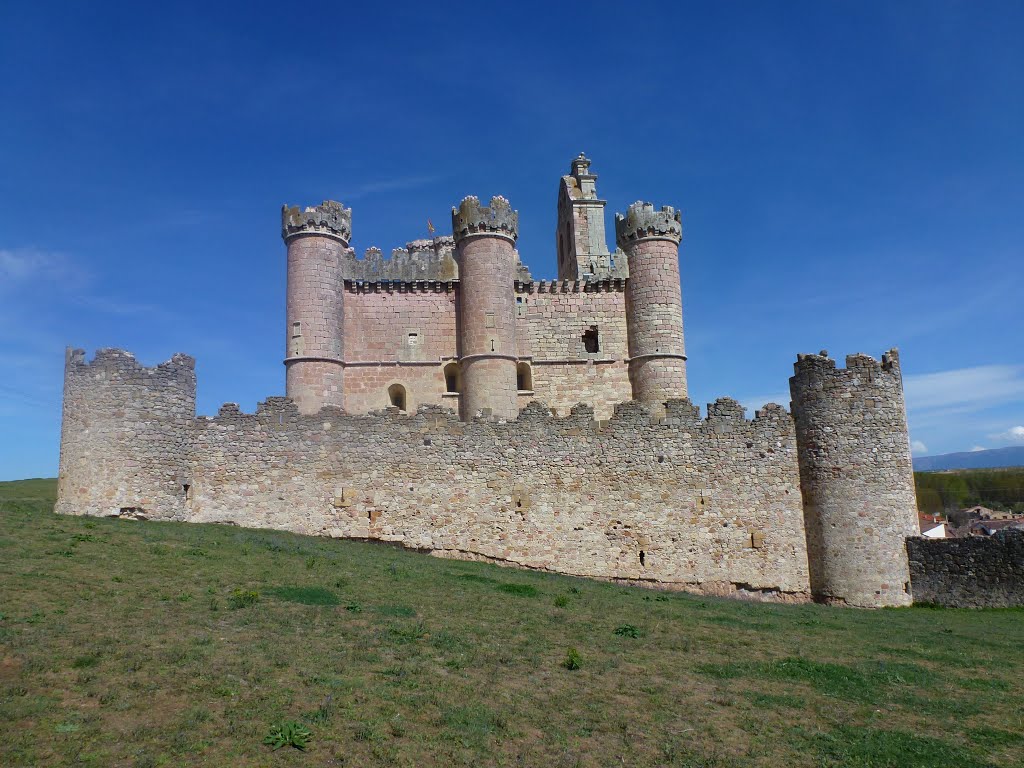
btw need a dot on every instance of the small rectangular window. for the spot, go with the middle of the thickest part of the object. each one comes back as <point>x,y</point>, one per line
<point>413,339</point>
<point>591,340</point>
<point>296,330</point>
<point>489,320</point>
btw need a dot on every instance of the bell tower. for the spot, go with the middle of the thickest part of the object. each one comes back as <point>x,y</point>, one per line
<point>580,236</point>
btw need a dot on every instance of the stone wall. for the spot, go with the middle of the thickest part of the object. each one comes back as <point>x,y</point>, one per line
<point>126,435</point>
<point>711,505</point>
<point>975,572</point>
<point>554,316</point>
<point>398,334</point>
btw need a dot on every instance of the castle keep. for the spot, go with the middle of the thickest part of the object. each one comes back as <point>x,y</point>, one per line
<point>445,400</point>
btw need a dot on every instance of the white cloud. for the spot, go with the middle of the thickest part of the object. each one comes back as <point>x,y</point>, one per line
<point>918,448</point>
<point>1012,435</point>
<point>965,389</point>
<point>25,265</point>
<point>390,185</point>
<point>976,448</point>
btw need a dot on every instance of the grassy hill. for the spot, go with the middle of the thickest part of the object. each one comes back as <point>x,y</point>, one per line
<point>152,644</point>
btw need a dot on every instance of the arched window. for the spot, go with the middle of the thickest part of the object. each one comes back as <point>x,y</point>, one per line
<point>396,396</point>
<point>452,378</point>
<point>524,377</point>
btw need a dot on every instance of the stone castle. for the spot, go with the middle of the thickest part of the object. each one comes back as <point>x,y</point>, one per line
<point>445,400</point>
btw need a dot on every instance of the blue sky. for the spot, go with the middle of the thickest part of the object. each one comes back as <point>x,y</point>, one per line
<point>851,177</point>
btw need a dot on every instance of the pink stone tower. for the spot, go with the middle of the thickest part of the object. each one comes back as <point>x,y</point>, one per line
<point>317,240</point>
<point>654,306</point>
<point>485,239</point>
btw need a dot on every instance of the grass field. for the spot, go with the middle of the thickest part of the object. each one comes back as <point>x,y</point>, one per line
<point>153,644</point>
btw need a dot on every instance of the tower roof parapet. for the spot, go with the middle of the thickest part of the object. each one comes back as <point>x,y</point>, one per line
<point>642,222</point>
<point>472,219</point>
<point>330,219</point>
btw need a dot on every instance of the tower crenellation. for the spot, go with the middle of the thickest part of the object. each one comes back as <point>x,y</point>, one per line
<point>643,222</point>
<point>471,218</point>
<point>329,219</point>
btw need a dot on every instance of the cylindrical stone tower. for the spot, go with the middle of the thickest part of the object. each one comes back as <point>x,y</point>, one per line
<point>317,240</point>
<point>485,240</point>
<point>126,436</point>
<point>856,477</point>
<point>654,304</point>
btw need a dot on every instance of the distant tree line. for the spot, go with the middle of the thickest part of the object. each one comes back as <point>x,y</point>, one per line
<point>945,492</point>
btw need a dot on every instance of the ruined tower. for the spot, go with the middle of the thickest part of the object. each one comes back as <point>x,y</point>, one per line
<point>654,305</point>
<point>580,238</point>
<point>317,239</point>
<point>126,436</point>
<point>485,238</point>
<point>856,478</point>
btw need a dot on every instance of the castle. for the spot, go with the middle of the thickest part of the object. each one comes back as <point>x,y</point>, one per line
<point>445,400</point>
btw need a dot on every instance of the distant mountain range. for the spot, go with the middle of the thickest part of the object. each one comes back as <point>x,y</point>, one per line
<point>988,459</point>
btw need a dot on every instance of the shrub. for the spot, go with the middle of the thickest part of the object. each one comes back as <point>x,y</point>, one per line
<point>627,630</point>
<point>290,734</point>
<point>242,598</point>
<point>573,660</point>
<point>561,601</point>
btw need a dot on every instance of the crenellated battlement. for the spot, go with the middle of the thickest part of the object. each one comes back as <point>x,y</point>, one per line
<point>643,222</point>
<point>330,219</point>
<point>861,369</point>
<point>607,285</point>
<point>112,359</point>
<point>418,260</point>
<point>470,219</point>
<point>680,416</point>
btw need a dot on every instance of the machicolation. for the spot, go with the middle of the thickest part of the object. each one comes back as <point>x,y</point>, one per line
<point>444,400</point>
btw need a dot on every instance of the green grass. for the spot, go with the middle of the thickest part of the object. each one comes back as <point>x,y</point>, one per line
<point>119,646</point>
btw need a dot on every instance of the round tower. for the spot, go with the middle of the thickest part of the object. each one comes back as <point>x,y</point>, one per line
<point>654,304</point>
<point>484,240</point>
<point>317,239</point>
<point>126,436</point>
<point>856,478</point>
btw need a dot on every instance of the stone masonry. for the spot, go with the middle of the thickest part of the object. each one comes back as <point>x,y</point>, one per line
<point>445,400</point>
<point>974,572</point>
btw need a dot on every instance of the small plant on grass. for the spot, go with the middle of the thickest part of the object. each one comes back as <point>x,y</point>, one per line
<point>561,601</point>
<point>353,607</point>
<point>627,630</point>
<point>243,598</point>
<point>289,734</point>
<point>573,660</point>
<point>322,714</point>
